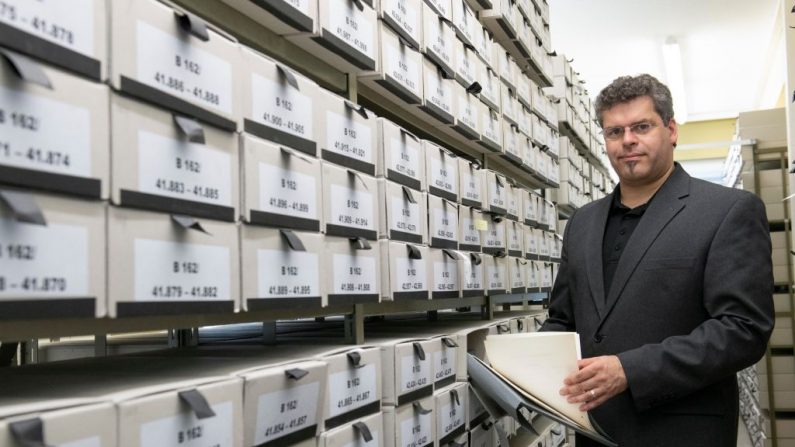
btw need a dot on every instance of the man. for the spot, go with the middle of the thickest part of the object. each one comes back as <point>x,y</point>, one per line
<point>668,281</point>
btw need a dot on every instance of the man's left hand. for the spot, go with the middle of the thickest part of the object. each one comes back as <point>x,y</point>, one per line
<point>598,379</point>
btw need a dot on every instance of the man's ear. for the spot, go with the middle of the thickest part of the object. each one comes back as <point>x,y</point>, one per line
<point>673,129</point>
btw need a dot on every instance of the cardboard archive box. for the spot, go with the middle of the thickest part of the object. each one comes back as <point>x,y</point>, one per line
<point>441,169</point>
<point>404,271</point>
<point>400,156</point>
<point>354,274</point>
<point>442,223</point>
<point>451,408</point>
<point>407,370</point>
<point>349,203</point>
<point>346,132</point>
<point>283,17</point>
<point>398,70</point>
<point>402,213</point>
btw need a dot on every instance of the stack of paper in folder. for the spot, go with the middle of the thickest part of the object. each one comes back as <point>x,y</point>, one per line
<point>537,363</point>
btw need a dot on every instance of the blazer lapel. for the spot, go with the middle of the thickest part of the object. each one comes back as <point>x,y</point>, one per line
<point>596,234</point>
<point>664,207</point>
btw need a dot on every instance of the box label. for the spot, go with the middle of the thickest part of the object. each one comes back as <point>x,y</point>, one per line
<point>414,373</point>
<point>518,274</point>
<point>467,109</point>
<point>38,261</point>
<point>405,157</point>
<point>471,234</point>
<point>184,170</point>
<point>496,275</point>
<point>491,126</point>
<point>471,183</point>
<point>444,363</point>
<point>463,19</point>
<point>451,416</point>
<point>445,275</point>
<point>439,40</point>
<point>349,137</point>
<point>497,194</point>
<point>173,271</point>
<point>67,24</point>
<point>530,242</point>
<point>179,68</point>
<point>288,274</point>
<point>360,442</point>
<point>354,275</point>
<point>510,142</point>
<point>93,441</point>
<point>404,15</point>
<point>43,134</point>
<point>351,389</point>
<point>490,87</point>
<point>443,173</point>
<point>546,276</point>
<point>438,91</point>
<point>280,106</point>
<point>351,208</point>
<point>405,216</point>
<point>287,192</point>
<point>515,234</point>
<point>400,64</point>
<point>532,275</point>
<point>445,223</point>
<point>530,207</point>
<point>543,247</point>
<point>442,7</point>
<point>513,206</point>
<point>473,276</point>
<point>352,26</point>
<point>286,411</point>
<point>186,430</point>
<point>466,65</point>
<point>416,431</point>
<point>495,237</point>
<point>411,275</point>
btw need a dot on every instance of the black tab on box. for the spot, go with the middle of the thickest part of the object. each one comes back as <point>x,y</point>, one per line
<point>24,207</point>
<point>197,402</point>
<point>37,309</point>
<point>28,432</point>
<point>304,302</point>
<point>283,221</point>
<point>27,69</point>
<point>304,145</point>
<point>342,160</point>
<point>165,308</point>
<point>90,188</point>
<point>171,205</point>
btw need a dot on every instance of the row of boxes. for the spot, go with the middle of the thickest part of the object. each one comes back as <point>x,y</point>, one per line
<point>55,262</point>
<point>397,391</point>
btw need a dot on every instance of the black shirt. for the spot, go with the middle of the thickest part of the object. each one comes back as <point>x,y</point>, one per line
<point>621,223</point>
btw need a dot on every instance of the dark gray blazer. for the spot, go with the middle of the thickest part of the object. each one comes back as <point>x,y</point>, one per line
<point>690,305</point>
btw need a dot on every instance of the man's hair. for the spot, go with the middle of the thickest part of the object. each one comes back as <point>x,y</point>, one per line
<point>627,88</point>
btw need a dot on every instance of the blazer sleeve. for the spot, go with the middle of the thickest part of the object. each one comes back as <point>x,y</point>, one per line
<point>561,312</point>
<point>737,295</point>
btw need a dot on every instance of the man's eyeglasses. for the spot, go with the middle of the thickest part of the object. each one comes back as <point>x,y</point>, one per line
<point>617,132</point>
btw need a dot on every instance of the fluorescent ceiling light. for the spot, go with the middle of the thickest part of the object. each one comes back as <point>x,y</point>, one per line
<point>672,59</point>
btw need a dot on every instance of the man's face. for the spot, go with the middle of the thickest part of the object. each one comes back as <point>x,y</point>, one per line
<point>642,156</point>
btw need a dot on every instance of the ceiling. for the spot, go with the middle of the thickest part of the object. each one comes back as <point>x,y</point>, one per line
<point>732,50</point>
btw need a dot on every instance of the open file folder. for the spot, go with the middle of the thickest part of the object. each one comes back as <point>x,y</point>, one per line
<point>497,392</point>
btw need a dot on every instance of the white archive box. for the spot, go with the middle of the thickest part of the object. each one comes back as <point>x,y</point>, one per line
<point>495,236</point>
<point>517,274</point>
<point>444,8</point>
<point>449,358</point>
<point>490,129</point>
<point>354,385</point>
<point>471,178</point>
<point>179,264</point>
<point>55,128</point>
<point>524,119</point>
<point>442,223</point>
<point>398,70</point>
<point>506,67</point>
<point>171,163</point>
<point>464,21</point>
<point>400,155</point>
<point>467,65</point>
<point>523,92</point>
<point>515,238</point>
<point>279,104</point>
<point>354,274</point>
<point>512,143</point>
<point>451,408</point>
<point>471,224</point>
<point>281,187</point>
<point>479,5</point>
<point>485,46</point>
<point>346,133</point>
<point>170,57</point>
<point>467,113</point>
<point>68,424</point>
<point>530,158</point>
<point>365,432</point>
<point>53,257</point>
<point>483,435</point>
<point>281,269</point>
<point>404,271</point>
<point>545,279</point>
<point>495,192</point>
<point>513,194</point>
<point>509,105</point>
<point>349,201</point>
<point>404,17</point>
<point>438,39</point>
<point>496,274</point>
<point>402,213</point>
<point>443,274</point>
<point>476,412</point>
<point>530,242</point>
<point>438,93</point>
<point>490,81</point>
<point>544,244</point>
<point>70,35</point>
<point>345,36</point>
<point>411,424</point>
<point>441,170</point>
<point>471,272</point>
<point>503,19</point>
<point>530,205</point>
<point>407,370</point>
<point>283,17</point>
